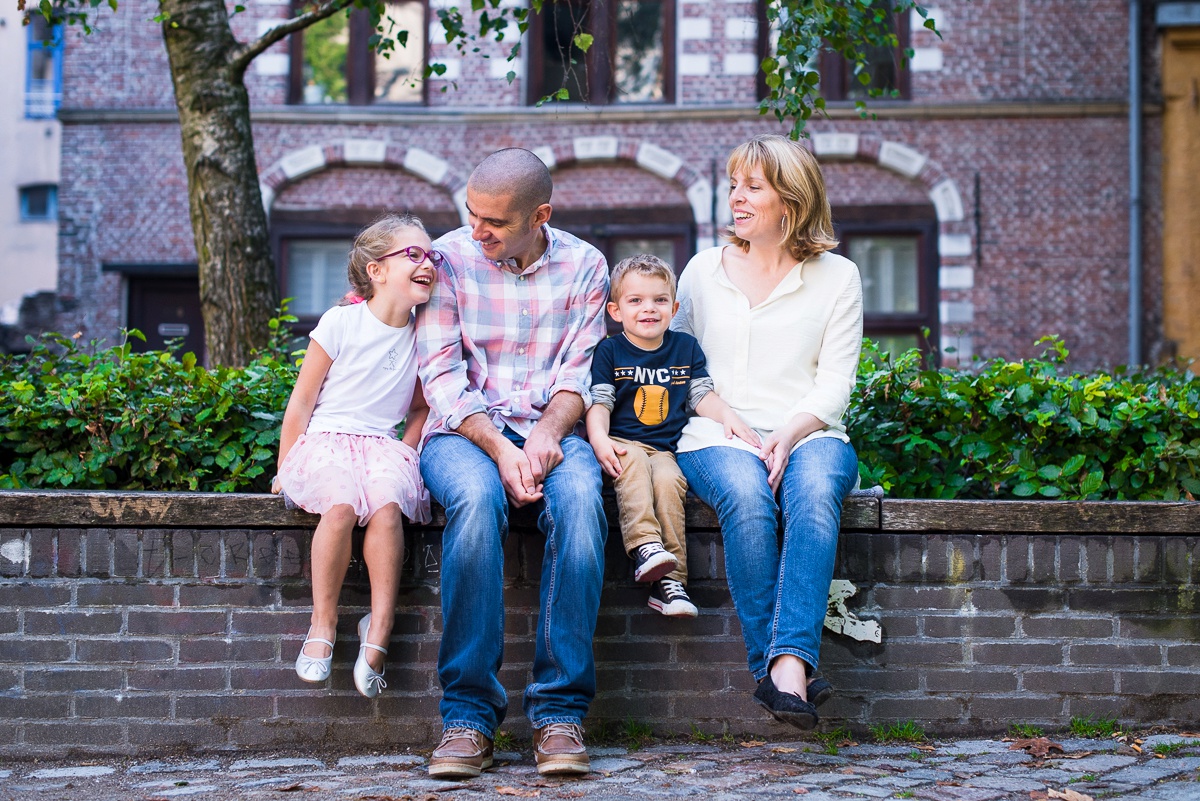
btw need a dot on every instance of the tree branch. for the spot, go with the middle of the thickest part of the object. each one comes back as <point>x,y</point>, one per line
<point>245,54</point>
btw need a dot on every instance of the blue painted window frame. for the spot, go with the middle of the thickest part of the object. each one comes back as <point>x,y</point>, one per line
<point>51,203</point>
<point>36,94</point>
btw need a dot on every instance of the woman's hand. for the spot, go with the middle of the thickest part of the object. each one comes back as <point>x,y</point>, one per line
<point>276,487</point>
<point>776,450</point>
<point>608,454</point>
<point>777,447</point>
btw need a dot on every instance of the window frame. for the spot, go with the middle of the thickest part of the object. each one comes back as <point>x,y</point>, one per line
<point>899,221</point>
<point>33,110</point>
<point>51,214</point>
<point>600,81</point>
<point>837,72</point>
<point>360,63</point>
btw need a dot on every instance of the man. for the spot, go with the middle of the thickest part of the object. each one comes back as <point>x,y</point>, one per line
<point>505,346</point>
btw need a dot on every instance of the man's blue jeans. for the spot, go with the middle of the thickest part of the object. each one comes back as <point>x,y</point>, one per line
<point>464,480</point>
<point>780,591</point>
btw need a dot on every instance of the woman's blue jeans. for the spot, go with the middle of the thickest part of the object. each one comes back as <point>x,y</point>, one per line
<point>465,481</point>
<point>780,589</point>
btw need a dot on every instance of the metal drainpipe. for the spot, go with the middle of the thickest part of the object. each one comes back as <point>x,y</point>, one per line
<point>1135,184</point>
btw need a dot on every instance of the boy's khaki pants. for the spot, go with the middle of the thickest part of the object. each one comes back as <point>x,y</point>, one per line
<point>650,494</point>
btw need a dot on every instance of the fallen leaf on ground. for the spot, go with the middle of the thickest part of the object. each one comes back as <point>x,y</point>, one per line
<point>1038,795</point>
<point>571,794</point>
<point>1136,747</point>
<point>781,750</point>
<point>752,743</point>
<point>297,787</point>
<point>1074,755</point>
<point>518,792</point>
<point>1068,795</point>
<point>799,791</point>
<point>1037,746</point>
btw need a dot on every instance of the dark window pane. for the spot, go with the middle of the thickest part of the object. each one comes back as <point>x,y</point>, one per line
<point>325,46</point>
<point>882,65</point>
<point>399,75</point>
<point>638,71</point>
<point>563,64</point>
<point>38,202</point>
<point>895,344</point>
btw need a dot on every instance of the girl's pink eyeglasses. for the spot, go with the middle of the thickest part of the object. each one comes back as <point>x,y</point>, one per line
<point>416,255</point>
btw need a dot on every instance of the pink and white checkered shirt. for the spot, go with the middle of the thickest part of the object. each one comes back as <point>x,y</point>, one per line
<point>501,343</point>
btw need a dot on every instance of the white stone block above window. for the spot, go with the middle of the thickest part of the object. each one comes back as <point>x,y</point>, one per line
<point>453,69</point>
<point>700,196</point>
<point>695,28</point>
<point>741,28</point>
<point>273,64</point>
<point>956,311</point>
<point>499,68</point>
<point>594,148</point>
<point>835,145</point>
<point>954,245</point>
<point>956,278</point>
<point>364,151</point>
<point>695,64</point>
<point>917,22</point>
<point>302,162</point>
<point>740,64</point>
<point>658,161</point>
<point>901,159</point>
<point>926,59</point>
<point>425,165</point>
<point>947,201</point>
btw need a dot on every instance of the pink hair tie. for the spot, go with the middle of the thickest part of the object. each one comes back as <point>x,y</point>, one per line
<point>352,298</point>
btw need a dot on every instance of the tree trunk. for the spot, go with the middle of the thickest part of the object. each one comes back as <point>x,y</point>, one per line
<point>238,293</point>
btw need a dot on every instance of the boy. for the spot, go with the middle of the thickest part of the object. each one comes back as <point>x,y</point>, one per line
<point>644,381</point>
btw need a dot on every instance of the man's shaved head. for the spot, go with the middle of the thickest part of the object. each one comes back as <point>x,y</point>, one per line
<point>517,173</point>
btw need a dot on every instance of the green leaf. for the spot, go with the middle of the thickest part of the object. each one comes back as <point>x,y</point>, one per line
<point>583,41</point>
<point>1073,465</point>
<point>1050,492</point>
<point>563,94</point>
<point>1050,472</point>
<point>1025,489</point>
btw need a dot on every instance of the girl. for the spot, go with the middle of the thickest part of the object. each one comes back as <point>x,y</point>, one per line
<point>338,452</point>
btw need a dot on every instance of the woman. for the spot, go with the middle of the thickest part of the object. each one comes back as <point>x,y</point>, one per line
<point>779,318</point>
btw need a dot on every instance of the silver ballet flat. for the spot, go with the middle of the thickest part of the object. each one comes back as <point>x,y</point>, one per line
<point>368,682</point>
<point>314,668</point>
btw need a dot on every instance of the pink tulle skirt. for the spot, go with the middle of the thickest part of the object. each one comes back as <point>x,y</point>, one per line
<point>325,469</point>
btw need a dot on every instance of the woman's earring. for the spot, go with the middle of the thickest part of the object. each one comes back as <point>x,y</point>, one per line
<point>783,223</point>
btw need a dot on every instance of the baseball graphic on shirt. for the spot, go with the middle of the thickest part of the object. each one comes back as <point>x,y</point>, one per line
<point>650,404</point>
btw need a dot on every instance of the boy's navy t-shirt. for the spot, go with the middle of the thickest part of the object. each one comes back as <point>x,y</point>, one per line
<point>651,386</point>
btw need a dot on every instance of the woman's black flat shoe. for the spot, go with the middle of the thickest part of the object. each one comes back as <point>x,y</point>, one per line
<point>785,707</point>
<point>819,691</point>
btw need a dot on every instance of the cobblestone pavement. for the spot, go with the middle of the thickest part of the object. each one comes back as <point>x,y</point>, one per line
<point>1166,769</point>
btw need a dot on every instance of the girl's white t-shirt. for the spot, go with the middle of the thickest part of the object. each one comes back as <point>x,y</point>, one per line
<point>369,386</point>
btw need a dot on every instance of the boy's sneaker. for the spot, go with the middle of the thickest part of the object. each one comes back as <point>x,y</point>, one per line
<point>652,562</point>
<point>669,597</point>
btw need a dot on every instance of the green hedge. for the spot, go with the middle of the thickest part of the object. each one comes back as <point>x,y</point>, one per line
<point>1020,429</point>
<point>92,418</point>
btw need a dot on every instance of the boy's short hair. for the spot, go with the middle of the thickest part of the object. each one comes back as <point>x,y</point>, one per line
<point>643,264</point>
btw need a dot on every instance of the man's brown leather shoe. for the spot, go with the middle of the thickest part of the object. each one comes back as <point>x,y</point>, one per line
<point>558,750</point>
<point>462,754</point>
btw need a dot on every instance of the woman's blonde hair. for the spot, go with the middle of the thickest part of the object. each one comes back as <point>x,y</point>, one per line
<point>371,244</point>
<point>794,173</point>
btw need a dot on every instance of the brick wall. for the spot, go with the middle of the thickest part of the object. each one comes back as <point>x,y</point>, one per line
<point>122,630</point>
<point>1027,96</point>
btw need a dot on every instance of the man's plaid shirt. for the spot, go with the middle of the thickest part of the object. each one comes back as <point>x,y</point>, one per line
<point>501,343</point>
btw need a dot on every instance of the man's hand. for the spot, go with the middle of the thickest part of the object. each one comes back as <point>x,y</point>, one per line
<point>608,454</point>
<point>543,450</point>
<point>516,474</point>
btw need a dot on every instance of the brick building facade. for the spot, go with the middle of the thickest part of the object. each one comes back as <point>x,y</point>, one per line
<point>989,204</point>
